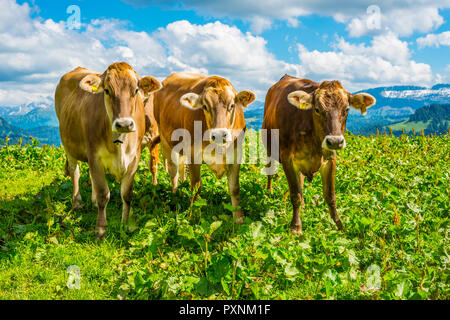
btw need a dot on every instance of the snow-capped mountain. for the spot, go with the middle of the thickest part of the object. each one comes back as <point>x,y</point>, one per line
<point>31,115</point>
<point>440,94</point>
<point>33,119</point>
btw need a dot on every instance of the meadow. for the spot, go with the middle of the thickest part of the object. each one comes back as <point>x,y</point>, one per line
<point>392,196</point>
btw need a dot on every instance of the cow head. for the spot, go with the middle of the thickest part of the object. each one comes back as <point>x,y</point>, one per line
<point>219,102</point>
<point>122,89</point>
<point>330,104</point>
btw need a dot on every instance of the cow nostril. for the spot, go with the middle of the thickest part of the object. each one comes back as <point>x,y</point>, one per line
<point>329,143</point>
<point>213,138</point>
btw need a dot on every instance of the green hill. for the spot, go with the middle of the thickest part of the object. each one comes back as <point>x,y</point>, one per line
<point>44,134</point>
<point>14,134</point>
<point>431,119</point>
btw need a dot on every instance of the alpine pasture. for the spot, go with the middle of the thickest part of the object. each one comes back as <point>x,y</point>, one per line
<point>392,196</point>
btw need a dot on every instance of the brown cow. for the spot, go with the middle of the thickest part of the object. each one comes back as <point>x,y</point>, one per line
<point>102,122</point>
<point>151,138</point>
<point>213,103</point>
<point>311,119</point>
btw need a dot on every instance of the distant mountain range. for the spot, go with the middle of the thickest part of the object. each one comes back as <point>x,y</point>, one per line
<point>395,107</point>
<point>30,116</point>
<point>30,120</point>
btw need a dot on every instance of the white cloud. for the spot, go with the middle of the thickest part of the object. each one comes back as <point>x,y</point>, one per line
<point>434,40</point>
<point>38,53</point>
<point>402,21</point>
<point>403,17</point>
<point>216,48</point>
<point>386,61</point>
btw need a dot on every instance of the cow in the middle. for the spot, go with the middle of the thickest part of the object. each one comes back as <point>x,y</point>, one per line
<point>189,100</point>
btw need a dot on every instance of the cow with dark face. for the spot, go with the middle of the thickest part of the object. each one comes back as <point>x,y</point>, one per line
<point>311,119</point>
<point>102,122</point>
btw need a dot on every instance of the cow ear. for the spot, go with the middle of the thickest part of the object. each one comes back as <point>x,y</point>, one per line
<point>245,97</point>
<point>190,100</point>
<point>301,99</point>
<point>149,84</point>
<point>92,83</point>
<point>362,101</point>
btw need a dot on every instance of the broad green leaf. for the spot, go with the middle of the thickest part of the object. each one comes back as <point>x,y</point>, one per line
<point>214,226</point>
<point>186,231</point>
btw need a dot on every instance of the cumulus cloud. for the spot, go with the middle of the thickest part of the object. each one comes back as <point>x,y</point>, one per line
<point>403,17</point>
<point>434,40</point>
<point>404,21</point>
<point>37,53</point>
<point>216,48</point>
<point>386,61</point>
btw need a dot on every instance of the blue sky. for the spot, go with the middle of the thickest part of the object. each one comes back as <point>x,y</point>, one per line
<point>251,42</point>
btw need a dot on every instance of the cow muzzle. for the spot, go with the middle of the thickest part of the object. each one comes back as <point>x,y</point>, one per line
<point>334,143</point>
<point>221,136</point>
<point>124,125</point>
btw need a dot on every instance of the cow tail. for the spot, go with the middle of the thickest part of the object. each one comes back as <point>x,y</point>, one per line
<point>155,142</point>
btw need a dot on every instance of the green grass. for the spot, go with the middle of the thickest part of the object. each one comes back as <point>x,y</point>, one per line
<point>392,195</point>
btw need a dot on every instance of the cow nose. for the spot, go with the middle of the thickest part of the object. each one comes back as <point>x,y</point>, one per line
<point>220,135</point>
<point>335,142</point>
<point>124,125</point>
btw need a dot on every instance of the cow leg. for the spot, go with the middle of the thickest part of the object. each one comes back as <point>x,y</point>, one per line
<point>182,171</point>
<point>172,167</point>
<point>196,182</point>
<point>153,163</point>
<point>295,193</point>
<point>327,171</point>
<point>94,193</point>
<point>166,165</point>
<point>269,180</point>
<point>73,171</point>
<point>302,183</point>
<point>234,190</point>
<point>164,157</point>
<point>173,172</point>
<point>126,189</point>
<point>268,145</point>
<point>100,194</point>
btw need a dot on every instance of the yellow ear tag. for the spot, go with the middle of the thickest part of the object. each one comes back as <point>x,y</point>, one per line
<point>94,88</point>
<point>303,106</point>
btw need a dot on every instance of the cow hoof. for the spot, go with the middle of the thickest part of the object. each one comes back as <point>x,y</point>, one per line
<point>77,206</point>
<point>238,219</point>
<point>100,232</point>
<point>339,225</point>
<point>296,230</point>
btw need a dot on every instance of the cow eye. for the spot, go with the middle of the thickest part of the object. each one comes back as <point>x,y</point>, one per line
<point>136,91</point>
<point>205,108</point>
<point>316,109</point>
<point>232,107</point>
<point>107,92</point>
